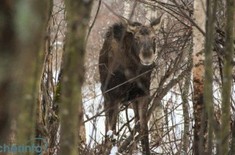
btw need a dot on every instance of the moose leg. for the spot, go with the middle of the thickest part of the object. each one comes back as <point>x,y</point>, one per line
<point>137,125</point>
<point>111,114</point>
<point>142,110</point>
<point>136,111</point>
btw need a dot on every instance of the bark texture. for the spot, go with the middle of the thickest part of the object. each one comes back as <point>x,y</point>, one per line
<point>227,79</point>
<point>198,77</point>
<point>73,71</point>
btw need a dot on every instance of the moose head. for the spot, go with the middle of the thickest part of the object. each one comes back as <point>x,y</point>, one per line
<point>144,39</point>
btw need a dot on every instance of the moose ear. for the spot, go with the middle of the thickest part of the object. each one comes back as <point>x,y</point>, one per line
<point>156,23</point>
<point>130,26</point>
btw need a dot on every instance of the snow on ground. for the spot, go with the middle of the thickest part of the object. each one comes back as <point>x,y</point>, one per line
<point>93,105</point>
<point>95,128</point>
<point>172,102</point>
<point>114,150</point>
<point>110,133</point>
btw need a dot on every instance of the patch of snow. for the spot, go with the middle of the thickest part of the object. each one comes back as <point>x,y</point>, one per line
<point>114,150</point>
<point>110,133</point>
<point>92,104</point>
<point>114,137</point>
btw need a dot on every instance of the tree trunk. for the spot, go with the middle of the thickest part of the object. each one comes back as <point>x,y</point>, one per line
<point>208,89</point>
<point>233,127</point>
<point>198,75</point>
<point>21,42</point>
<point>185,93</point>
<point>73,71</point>
<point>227,79</point>
<point>29,41</point>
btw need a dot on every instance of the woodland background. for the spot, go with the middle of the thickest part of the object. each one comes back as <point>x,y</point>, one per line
<point>49,82</point>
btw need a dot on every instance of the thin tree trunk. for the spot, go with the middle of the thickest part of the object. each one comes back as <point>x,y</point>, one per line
<point>73,71</point>
<point>233,127</point>
<point>227,78</point>
<point>208,89</point>
<point>198,76</point>
<point>185,91</point>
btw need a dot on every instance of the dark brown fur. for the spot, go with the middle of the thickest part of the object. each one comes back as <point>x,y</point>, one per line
<point>125,73</point>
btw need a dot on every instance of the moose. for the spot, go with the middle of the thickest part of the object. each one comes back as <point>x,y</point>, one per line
<point>126,61</point>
